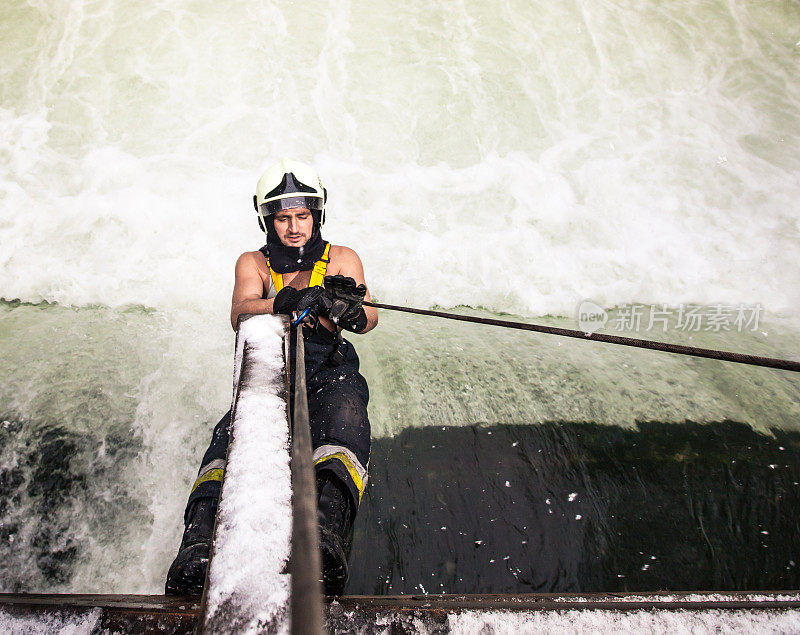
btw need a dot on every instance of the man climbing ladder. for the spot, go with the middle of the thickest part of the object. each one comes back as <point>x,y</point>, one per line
<point>298,271</point>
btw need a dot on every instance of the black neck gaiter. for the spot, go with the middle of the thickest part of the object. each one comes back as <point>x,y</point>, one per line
<point>283,259</point>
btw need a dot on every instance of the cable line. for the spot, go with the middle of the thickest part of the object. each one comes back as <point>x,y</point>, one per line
<point>727,356</point>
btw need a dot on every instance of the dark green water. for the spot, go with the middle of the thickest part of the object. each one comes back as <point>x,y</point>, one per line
<point>568,506</point>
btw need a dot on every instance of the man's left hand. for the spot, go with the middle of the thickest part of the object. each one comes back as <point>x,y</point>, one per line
<point>346,309</point>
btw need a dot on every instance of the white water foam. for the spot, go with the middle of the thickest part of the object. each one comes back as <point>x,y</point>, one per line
<point>520,159</point>
<point>59,622</point>
<point>580,622</point>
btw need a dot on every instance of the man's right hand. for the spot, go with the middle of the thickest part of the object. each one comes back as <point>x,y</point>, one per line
<point>286,300</point>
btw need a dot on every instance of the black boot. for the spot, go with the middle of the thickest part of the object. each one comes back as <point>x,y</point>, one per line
<point>188,571</point>
<point>336,513</point>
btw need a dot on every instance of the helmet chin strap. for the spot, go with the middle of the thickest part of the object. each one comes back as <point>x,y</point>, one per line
<point>264,226</point>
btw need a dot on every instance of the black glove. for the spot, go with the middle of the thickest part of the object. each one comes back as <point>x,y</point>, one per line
<point>289,300</point>
<point>286,300</point>
<point>316,299</point>
<point>346,309</point>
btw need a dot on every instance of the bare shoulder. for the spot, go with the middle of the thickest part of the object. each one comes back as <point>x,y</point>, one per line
<point>346,262</point>
<point>342,254</point>
<point>254,256</point>
<point>252,265</point>
<point>251,259</point>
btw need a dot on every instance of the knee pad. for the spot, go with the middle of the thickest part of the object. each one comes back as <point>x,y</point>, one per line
<point>345,465</point>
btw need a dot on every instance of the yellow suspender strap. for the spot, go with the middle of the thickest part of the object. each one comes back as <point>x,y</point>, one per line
<point>317,275</point>
<point>320,267</point>
<point>277,278</point>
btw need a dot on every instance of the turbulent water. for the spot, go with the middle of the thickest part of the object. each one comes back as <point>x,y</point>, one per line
<point>510,158</point>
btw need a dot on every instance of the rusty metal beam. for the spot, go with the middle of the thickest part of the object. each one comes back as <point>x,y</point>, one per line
<point>119,613</point>
<point>756,600</point>
<point>146,613</point>
<point>305,563</point>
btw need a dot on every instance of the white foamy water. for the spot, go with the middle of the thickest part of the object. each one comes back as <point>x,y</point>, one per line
<point>516,157</point>
<point>56,622</point>
<point>520,158</point>
<point>683,622</point>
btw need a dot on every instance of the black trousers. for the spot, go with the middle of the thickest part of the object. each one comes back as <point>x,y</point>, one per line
<point>337,408</point>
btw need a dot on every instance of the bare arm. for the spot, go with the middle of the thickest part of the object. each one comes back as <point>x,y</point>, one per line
<point>350,265</point>
<point>248,289</point>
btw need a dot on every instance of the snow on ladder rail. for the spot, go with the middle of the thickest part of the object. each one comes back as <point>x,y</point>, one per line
<point>248,586</point>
